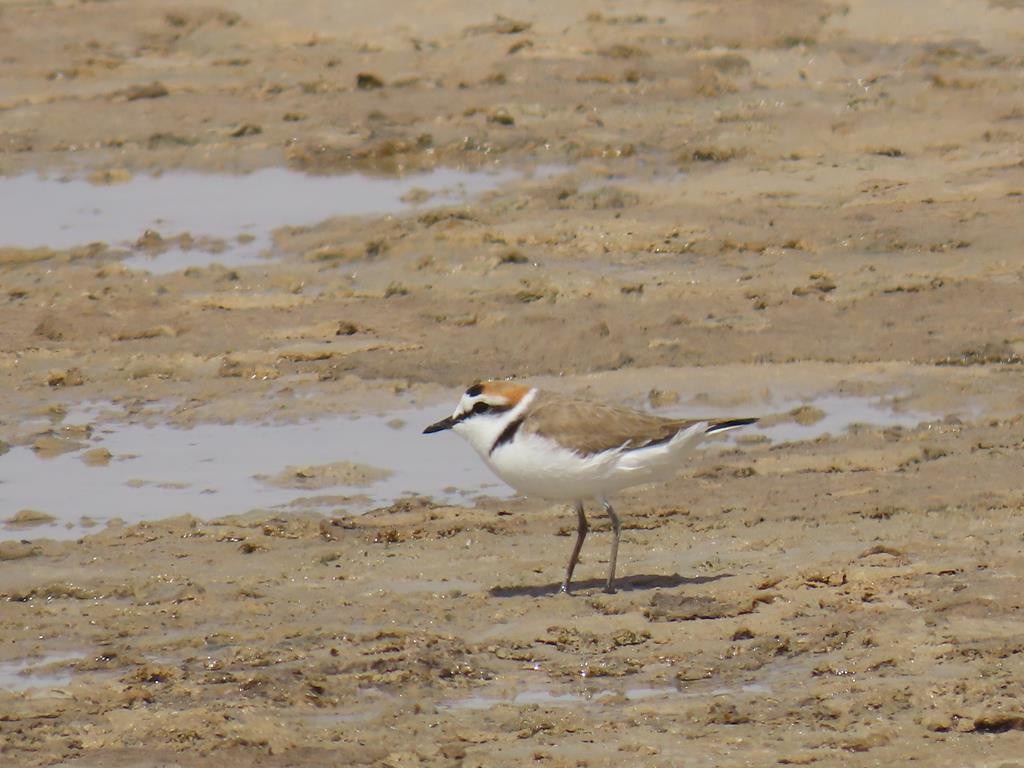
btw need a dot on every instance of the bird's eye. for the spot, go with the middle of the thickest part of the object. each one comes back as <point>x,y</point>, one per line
<point>481,407</point>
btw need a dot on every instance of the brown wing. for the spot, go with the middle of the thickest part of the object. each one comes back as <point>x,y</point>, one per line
<point>589,427</point>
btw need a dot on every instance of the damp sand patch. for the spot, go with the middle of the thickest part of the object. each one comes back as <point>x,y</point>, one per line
<point>316,477</point>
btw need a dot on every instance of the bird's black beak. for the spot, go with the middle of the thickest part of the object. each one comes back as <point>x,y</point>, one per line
<point>439,426</point>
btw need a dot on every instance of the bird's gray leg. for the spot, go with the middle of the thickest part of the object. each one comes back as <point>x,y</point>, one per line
<point>616,527</point>
<point>581,534</point>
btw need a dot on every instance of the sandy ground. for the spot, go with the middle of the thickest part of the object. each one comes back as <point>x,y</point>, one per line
<point>734,204</point>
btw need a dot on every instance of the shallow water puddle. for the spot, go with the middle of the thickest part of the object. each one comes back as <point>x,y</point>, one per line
<point>548,698</point>
<point>241,254</point>
<point>55,213</point>
<point>40,672</point>
<point>821,415</point>
<point>839,413</point>
<point>526,698</point>
<point>213,470</point>
<point>337,464</point>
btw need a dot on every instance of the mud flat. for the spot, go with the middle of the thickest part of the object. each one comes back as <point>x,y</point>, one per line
<point>250,252</point>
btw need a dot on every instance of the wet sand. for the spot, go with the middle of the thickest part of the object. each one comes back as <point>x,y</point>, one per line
<point>797,210</point>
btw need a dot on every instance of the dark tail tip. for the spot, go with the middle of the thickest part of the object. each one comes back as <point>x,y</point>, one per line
<point>721,426</point>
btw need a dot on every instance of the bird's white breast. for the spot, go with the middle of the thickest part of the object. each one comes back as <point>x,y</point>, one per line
<point>537,466</point>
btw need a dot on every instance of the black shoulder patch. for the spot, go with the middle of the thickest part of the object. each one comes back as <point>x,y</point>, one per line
<point>475,390</point>
<point>507,434</point>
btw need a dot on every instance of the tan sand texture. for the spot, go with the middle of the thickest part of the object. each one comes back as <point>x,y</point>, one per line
<point>787,209</point>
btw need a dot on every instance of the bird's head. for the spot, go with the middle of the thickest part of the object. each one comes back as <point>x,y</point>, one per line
<point>483,411</point>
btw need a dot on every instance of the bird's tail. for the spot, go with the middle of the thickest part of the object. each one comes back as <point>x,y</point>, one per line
<point>723,426</point>
<point>652,461</point>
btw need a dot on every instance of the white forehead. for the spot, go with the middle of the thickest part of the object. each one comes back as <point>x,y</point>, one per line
<point>467,401</point>
<point>465,404</point>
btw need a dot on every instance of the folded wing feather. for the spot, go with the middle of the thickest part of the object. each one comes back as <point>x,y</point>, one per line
<point>590,427</point>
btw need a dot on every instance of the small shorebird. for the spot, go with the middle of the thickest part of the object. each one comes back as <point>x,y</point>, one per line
<point>565,449</point>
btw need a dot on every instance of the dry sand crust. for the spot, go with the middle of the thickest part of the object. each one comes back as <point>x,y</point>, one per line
<point>849,221</point>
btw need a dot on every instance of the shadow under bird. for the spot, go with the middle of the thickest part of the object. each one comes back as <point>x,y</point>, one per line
<point>567,449</point>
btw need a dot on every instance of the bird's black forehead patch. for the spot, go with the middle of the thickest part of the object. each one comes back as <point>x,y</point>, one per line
<point>475,390</point>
